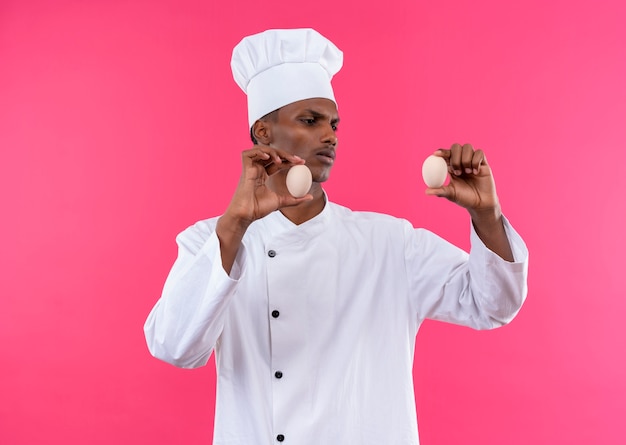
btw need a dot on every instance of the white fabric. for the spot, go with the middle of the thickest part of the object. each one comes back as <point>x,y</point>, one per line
<point>352,289</point>
<point>281,66</point>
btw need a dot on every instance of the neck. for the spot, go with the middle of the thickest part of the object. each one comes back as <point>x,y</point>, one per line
<point>306,210</point>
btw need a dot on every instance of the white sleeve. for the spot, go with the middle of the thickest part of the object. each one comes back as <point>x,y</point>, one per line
<point>187,320</point>
<point>479,290</point>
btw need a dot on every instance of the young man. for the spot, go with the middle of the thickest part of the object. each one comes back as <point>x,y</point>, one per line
<point>313,309</point>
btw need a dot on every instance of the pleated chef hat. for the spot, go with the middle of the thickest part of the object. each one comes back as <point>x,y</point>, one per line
<point>280,66</point>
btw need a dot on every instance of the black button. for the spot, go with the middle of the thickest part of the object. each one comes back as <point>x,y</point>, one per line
<point>278,375</point>
<point>271,253</point>
<point>280,438</point>
<point>275,314</point>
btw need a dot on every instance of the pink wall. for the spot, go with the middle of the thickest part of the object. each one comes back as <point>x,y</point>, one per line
<point>120,125</point>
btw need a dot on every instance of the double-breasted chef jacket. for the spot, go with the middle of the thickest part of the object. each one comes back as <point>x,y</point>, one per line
<point>314,329</point>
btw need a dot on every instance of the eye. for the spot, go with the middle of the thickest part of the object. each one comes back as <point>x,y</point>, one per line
<point>308,120</point>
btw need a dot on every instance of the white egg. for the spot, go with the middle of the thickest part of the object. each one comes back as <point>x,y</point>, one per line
<point>299,180</point>
<point>434,171</point>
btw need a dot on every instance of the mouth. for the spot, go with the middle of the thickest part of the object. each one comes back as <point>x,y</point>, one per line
<point>326,155</point>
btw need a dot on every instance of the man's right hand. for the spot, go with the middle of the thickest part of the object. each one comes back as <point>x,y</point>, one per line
<point>253,199</point>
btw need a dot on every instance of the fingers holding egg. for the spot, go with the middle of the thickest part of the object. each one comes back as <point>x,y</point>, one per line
<point>464,159</point>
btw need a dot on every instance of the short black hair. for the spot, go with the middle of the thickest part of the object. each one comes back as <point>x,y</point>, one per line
<point>271,116</point>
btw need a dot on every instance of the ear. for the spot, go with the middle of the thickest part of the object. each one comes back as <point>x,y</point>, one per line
<point>262,131</point>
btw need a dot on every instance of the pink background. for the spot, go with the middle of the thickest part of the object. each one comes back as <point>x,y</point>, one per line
<point>120,125</point>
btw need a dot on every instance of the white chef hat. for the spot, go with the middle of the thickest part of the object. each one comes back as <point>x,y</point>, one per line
<point>280,66</point>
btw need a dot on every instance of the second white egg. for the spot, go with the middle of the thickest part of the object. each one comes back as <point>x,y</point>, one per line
<point>434,171</point>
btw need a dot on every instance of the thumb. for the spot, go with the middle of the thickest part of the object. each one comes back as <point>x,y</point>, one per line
<point>445,191</point>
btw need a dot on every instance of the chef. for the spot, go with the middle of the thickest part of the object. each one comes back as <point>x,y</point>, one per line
<point>310,308</point>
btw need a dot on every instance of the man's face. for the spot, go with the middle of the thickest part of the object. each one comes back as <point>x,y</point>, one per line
<point>307,128</point>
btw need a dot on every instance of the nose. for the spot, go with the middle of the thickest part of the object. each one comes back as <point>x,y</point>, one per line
<point>329,136</point>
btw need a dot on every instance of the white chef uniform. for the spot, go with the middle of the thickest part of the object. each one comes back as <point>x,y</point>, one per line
<point>314,330</point>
